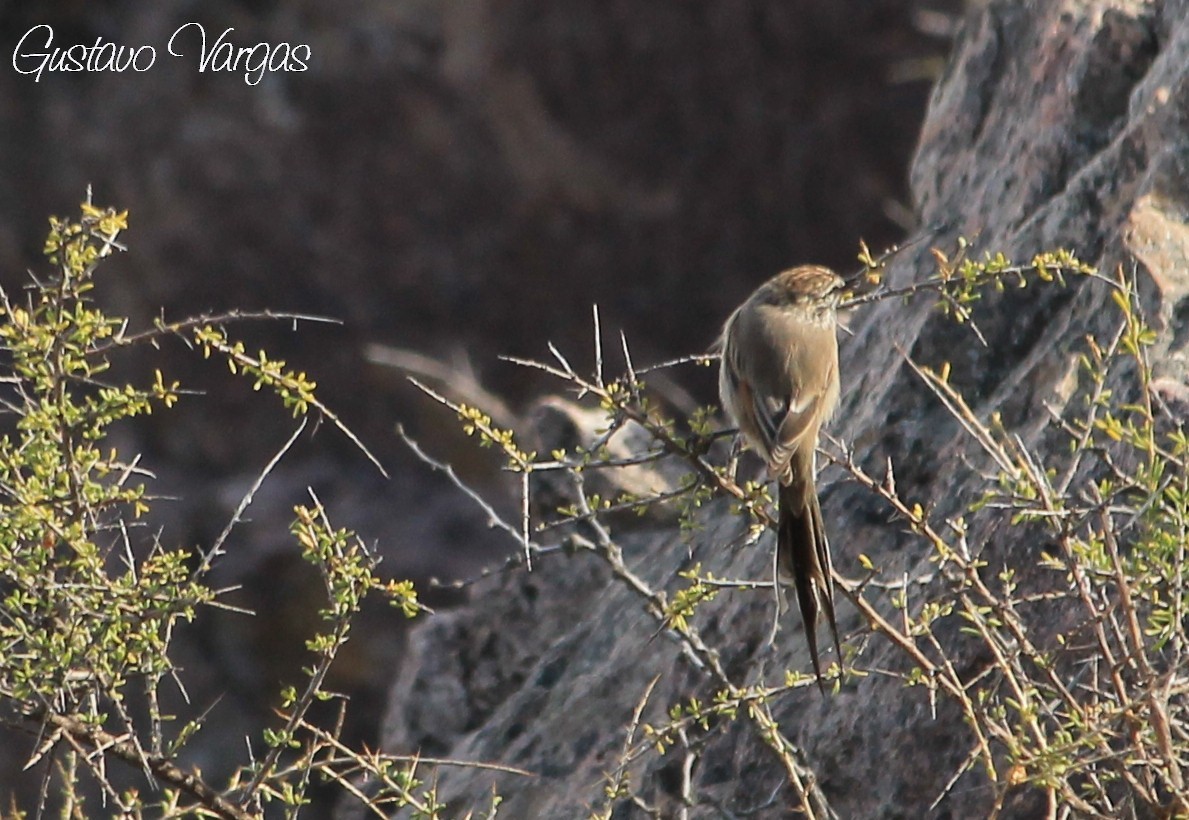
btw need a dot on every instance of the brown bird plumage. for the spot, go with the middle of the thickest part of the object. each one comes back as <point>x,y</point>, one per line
<point>779,382</point>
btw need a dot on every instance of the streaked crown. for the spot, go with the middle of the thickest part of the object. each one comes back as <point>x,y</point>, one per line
<point>809,280</point>
<point>808,287</point>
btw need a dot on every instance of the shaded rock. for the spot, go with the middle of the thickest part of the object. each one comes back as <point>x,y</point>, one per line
<point>1055,125</point>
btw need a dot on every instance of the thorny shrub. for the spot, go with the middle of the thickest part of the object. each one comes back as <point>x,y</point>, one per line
<point>89,603</point>
<point>1092,715</point>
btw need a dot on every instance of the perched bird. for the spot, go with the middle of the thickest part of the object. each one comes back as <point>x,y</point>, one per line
<point>778,380</point>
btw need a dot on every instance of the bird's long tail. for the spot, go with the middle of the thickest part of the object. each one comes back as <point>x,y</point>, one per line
<point>803,552</point>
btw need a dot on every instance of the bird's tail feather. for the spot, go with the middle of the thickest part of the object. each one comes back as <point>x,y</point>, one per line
<point>803,555</point>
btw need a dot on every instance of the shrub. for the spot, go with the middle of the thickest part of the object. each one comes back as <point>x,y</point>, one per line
<point>90,603</point>
<point>1083,699</point>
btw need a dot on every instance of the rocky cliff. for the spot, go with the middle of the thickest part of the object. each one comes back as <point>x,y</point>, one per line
<point>1055,124</point>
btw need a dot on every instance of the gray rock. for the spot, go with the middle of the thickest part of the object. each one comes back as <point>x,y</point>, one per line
<point>1055,124</point>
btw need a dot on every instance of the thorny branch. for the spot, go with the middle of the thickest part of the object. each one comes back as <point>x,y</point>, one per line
<point>1022,739</point>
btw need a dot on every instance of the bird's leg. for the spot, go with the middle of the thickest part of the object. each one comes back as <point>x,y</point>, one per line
<point>781,603</point>
<point>733,457</point>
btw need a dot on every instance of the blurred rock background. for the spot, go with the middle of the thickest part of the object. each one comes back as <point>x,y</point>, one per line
<point>454,178</point>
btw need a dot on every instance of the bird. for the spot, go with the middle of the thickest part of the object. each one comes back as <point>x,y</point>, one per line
<point>779,383</point>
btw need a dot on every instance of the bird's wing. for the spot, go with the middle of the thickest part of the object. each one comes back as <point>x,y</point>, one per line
<point>790,429</point>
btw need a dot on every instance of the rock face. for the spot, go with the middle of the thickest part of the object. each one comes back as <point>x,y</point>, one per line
<point>1056,124</point>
